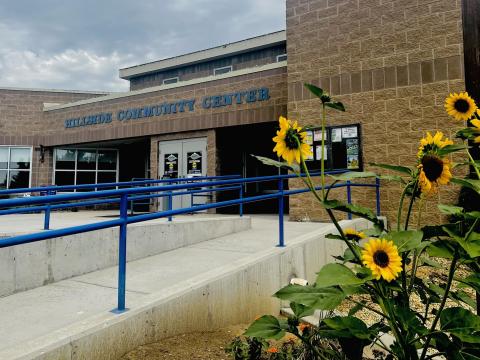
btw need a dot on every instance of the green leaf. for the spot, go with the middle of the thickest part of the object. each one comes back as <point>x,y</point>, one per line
<point>440,249</point>
<point>356,308</point>
<point>314,297</point>
<point>462,323</point>
<point>471,246</point>
<point>472,184</point>
<point>279,164</point>
<point>398,168</point>
<point>301,310</point>
<point>266,327</point>
<point>353,175</point>
<point>335,105</point>
<point>472,280</point>
<point>392,178</point>
<point>462,296</point>
<point>315,90</point>
<point>337,275</point>
<point>450,209</point>
<point>351,325</point>
<point>406,240</point>
<point>451,148</point>
<point>355,210</point>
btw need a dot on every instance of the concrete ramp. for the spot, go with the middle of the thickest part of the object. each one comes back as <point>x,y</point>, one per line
<point>25,267</point>
<point>202,286</point>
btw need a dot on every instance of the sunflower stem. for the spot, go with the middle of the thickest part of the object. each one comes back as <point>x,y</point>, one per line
<point>442,305</point>
<point>410,206</point>
<point>400,206</point>
<point>322,163</point>
<point>473,163</point>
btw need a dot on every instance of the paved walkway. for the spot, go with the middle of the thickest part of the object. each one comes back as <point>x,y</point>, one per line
<point>28,223</point>
<point>56,307</point>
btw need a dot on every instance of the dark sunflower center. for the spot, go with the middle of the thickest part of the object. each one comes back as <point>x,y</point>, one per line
<point>432,167</point>
<point>354,237</point>
<point>380,258</point>
<point>291,139</point>
<point>461,105</point>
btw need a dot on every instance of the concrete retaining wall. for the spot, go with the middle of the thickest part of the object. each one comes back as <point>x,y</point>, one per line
<point>236,293</point>
<point>31,265</point>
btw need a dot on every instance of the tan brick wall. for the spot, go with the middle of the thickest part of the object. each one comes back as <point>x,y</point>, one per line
<point>391,62</point>
<point>22,123</point>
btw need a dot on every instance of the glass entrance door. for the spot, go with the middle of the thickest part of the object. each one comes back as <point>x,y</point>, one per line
<point>182,159</point>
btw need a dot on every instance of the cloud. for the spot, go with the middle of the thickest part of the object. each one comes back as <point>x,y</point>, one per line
<point>82,44</point>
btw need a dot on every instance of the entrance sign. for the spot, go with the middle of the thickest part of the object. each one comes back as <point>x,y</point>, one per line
<point>171,166</point>
<point>194,163</point>
<point>174,107</point>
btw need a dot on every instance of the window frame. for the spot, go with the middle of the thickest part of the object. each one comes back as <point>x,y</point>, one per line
<point>279,56</point>
<point>230,67</point>
<point>8,169</point>
<point>75,170</point>
<point>172,78</point>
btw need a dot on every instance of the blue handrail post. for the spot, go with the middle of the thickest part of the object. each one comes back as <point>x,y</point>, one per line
<point>349,197</point>
<point>281,239</point>
<point>377,189</point>
<point>241,197</point>
<point>122,254</point>
<point>170,204</point>
<point>48,208</point>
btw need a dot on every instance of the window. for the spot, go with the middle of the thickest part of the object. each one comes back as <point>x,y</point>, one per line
<point>15,167</point>
<point>281,57</point>
<point>85,166</point>
<point>222,70</point>
<point>170,80</point>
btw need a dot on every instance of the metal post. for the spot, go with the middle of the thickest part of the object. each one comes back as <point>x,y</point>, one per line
<point>46,220</point>
<point>170,204</point>
<point>349,197</point>
<point>377,189</point>
<point>281,239</point>
<point>241,197</point>
<point>122,255</point>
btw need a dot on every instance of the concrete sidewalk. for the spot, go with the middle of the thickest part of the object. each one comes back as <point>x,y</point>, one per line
<point>35,320</point>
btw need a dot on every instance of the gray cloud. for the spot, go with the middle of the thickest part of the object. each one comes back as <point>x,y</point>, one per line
<point>82,44</point>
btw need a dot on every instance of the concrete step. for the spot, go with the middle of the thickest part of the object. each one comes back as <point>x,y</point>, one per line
<point>25,267</point>
<point>203,286</point>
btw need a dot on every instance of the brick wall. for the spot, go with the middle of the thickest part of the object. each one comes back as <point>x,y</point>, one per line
<point>392,63</point>
<point>21,123</point>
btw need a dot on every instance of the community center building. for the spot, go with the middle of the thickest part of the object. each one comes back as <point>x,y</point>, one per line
<point>391,62</point>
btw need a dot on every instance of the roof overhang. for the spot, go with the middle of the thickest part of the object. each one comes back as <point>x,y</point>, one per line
<point>239,47</point>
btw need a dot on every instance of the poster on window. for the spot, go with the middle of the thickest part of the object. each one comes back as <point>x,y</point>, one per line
<point>170,166</point>
<point>318,153</point>
<point>317,135</point>
<point>310,157</point>
<point>309,137</point>
<point>336,135</point>
<point>352,146</point>
<point>352,162</point>
<point>349,132</point>
<point>194,162</point>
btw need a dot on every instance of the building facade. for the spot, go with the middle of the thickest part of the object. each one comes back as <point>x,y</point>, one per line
<point>391,62</point>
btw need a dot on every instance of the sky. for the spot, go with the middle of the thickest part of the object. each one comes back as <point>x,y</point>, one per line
<point>81,44</point>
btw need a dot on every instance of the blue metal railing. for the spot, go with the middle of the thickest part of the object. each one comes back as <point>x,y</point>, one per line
<point>124,195</point>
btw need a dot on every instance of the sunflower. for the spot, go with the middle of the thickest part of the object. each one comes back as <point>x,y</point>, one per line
<point>290,142</point>
<point>476,125</point>
<point>460,106</point>
<point>432,143</point>
<point>352,234</point>
<point>434,171</point>
<point>382,258</point>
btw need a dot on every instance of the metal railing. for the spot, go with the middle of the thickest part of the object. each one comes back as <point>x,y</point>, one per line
<point>123,195</point>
